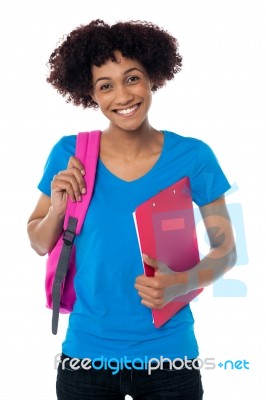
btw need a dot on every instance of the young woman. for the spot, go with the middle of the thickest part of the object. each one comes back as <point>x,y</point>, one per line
<point>116,69</point>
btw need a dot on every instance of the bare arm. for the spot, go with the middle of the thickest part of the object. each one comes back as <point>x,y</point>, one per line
<point>45,224</point>
<point>165,285</point>
<point>222,255</point>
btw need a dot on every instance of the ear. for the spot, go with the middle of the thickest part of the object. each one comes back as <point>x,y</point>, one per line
<point>93,96</point>
<point>92,93</point>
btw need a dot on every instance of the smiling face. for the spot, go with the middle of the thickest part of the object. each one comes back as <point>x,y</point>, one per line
<point>122,90</point>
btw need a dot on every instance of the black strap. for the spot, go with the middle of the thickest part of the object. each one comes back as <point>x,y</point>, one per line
<point>61,269</point>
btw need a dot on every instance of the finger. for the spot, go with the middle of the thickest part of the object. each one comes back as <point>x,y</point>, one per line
<point>79,178</point>
<point>74,162</point>
<point>160,299</point>
<point>67,181</point>
<point>151,304</point>
<point>147,304</point>
<point>154,297</point>
<point>150,261</point>
<point>157,265</point>
<point>61,185</point>
<point>147,281</point>
<point>149,291</point>
<point>76,167</point>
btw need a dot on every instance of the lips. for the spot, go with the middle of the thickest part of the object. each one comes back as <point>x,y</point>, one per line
<point>127,111</point>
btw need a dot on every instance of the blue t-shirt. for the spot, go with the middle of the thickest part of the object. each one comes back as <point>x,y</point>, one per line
<point>108,319</point>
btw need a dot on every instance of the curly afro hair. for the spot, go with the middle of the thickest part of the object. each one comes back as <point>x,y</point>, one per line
<point>95,43</point>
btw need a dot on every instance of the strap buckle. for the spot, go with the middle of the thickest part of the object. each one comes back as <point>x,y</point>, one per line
<point>68,237</point>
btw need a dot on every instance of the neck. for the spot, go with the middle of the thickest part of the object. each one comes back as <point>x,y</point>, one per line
<point>130,144</point>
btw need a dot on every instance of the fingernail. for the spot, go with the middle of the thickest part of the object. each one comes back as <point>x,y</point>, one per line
<point>83,172</point>
<point>83,190</point>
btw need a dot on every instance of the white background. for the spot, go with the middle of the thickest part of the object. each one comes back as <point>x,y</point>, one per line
<point>218,97</point>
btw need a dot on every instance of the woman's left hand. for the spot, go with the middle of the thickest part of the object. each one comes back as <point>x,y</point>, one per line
<point>158,290</point>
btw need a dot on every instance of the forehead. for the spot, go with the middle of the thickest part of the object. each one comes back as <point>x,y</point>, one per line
<point>115,68</point>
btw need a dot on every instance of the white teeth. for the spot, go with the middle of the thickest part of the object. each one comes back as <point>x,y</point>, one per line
<point>128,110</point>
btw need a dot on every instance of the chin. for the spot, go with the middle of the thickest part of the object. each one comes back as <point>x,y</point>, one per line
<point>129,126</point>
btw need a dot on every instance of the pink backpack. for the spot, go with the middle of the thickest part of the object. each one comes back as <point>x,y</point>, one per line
<point>61,265</point>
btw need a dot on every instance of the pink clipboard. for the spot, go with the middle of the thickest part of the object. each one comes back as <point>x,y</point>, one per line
<point>166,231</point>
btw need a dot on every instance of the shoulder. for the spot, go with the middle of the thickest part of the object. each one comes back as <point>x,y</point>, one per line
<point>62,150</point>
<point>177,138</point>
<point>196,154</point>
<point>66,144</point>
<point>187,143</point>
<point>57,161</point>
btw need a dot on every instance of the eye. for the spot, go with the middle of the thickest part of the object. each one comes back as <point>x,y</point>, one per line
<point>132,79</point>
<point>105,87</point>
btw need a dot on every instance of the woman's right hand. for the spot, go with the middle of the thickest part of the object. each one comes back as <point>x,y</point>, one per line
<point>68,183</point>
<point>45,224</point>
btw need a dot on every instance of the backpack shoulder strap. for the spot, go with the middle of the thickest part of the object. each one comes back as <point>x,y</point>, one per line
<point>87,151</point>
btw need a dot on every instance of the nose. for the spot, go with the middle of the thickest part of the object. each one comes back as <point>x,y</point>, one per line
<point>123,96</point>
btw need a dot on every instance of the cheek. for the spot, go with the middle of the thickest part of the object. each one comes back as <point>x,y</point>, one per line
<point>104,108</point>
<point>150,98</point>
<point>100,101</point>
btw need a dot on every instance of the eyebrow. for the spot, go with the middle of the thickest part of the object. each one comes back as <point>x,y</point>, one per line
<point>124,73</point>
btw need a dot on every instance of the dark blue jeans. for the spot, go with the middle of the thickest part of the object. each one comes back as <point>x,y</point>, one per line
<point>104,384</point>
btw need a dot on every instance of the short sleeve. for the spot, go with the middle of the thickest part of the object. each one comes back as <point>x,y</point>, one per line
<point>57,161</point>
<point>208,181</point>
